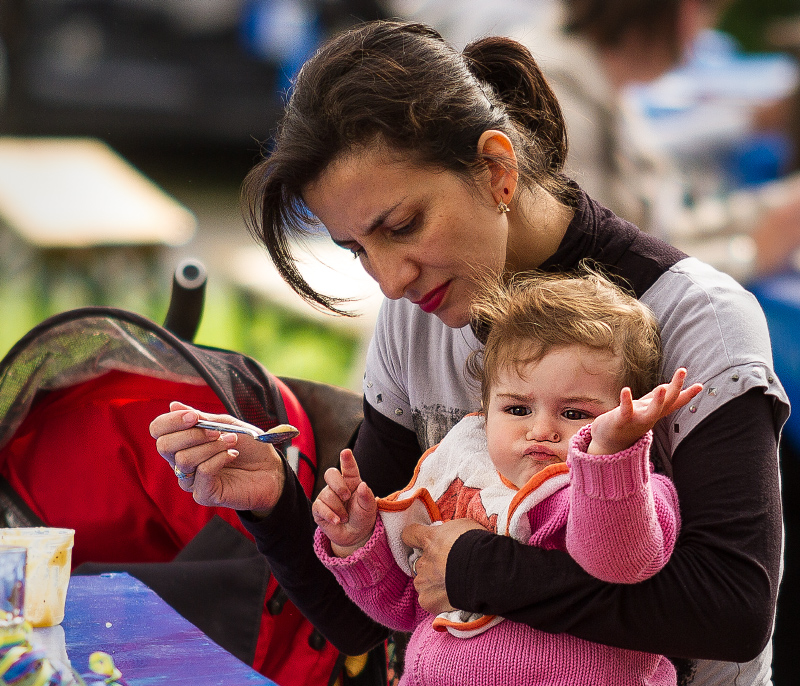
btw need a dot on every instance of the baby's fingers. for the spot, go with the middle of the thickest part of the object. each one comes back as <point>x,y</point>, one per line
<point>625,404</point>
<point>324,516</point>
<point>329,507</point>
<point>686,395</point>
<point>336,483</point>
<point>349,467</point>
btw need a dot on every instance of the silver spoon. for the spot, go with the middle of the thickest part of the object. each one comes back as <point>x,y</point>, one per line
<point>277,434</point>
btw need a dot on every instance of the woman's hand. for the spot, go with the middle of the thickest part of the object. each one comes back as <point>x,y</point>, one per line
<point>620,428</point>
<point>345,509</point>
<point>435,543</point>
<point>219,469</point>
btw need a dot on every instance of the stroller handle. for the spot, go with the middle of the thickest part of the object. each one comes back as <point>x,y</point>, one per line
<point>186,299</point>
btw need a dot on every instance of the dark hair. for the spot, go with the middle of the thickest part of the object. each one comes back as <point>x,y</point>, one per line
<point>607,22</point>
<point>529,314</point>
<point>401,85</point>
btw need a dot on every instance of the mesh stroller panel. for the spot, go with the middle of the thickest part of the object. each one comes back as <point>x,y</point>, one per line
<point>77,394</point>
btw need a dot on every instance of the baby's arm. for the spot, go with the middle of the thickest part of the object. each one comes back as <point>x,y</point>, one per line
<point>345,510</point>
<point>374,581</point>
<point>623,520</point>
<point>620,428</point>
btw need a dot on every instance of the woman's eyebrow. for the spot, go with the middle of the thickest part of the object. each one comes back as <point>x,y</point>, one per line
<point>376,223</point>
<point>380,220</point>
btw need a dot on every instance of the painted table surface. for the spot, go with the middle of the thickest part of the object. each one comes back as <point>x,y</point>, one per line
<point>149,641</point>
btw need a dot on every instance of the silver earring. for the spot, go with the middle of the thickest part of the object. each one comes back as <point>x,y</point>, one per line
<point>502,208</point>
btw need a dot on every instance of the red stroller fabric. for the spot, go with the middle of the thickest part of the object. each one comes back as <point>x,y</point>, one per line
<point>77,395</point>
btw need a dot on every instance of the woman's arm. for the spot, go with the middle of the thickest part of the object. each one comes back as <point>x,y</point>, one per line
<point>715,599</point>
<point>386,452</point>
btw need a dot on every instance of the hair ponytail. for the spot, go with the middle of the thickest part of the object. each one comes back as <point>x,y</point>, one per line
<point>510,69</point>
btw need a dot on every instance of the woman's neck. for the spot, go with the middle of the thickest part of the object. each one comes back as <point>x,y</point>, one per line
<point>536,225</point>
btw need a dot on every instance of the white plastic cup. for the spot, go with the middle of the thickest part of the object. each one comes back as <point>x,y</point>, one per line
<point>47,571</point>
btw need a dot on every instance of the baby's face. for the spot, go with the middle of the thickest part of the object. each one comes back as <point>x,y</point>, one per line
<point>535,409</point>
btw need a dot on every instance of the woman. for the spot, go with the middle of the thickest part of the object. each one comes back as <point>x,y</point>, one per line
<point>430,165</point>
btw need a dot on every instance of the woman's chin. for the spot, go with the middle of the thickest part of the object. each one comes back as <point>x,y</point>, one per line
<point>452,318</point>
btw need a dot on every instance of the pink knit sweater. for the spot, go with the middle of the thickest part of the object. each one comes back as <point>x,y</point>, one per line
<point>617,519</point>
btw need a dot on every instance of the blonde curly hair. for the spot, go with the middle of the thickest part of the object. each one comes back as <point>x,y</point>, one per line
<point>533,313</point>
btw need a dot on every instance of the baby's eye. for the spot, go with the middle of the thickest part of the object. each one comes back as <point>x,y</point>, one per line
<point>518,410</point>
<point>575,415</point>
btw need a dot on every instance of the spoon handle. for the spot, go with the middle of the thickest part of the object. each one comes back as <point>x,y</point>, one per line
<point>278,434</point>
<point>227,428</point>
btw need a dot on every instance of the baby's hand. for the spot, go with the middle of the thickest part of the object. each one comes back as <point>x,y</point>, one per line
<point>345,510</point>
<point>620,428</point>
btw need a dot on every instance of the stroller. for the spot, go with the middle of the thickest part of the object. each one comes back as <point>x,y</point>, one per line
<point>77,394</point>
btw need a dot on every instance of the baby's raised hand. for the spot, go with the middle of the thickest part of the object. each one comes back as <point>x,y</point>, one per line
<point>345,509</point>
<point>620,428</point>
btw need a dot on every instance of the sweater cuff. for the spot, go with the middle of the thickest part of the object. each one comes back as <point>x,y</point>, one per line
<point>364,568</point>
<point>609,477</point>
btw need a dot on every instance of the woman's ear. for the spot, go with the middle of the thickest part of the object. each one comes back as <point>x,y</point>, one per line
<point>498,153</point>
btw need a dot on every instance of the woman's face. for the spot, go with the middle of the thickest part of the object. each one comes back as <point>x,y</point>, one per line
<point>419,232</point>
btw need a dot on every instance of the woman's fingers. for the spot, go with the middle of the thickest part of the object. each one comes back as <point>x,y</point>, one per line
<point>198,475</point>
<point>435,543</point>
<point>416,536</point>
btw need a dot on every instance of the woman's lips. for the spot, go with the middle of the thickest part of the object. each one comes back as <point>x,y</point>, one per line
<point>430,301</point>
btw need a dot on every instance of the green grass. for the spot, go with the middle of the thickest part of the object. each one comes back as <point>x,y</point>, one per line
<point>286,344</point>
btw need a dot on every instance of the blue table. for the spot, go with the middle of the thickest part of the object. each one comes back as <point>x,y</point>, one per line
<point>149,641</point>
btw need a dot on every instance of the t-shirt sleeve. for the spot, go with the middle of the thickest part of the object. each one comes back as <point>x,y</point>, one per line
<point>385,386</point>
<point>715,598</point>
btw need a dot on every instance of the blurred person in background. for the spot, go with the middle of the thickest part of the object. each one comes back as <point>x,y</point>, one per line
<point>591,51</point>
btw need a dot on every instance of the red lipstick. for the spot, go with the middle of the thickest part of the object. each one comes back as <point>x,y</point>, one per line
<point>430,301</point>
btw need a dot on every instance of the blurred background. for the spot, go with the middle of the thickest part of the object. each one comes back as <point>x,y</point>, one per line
<point>184,93</point>
<point>127,127</point>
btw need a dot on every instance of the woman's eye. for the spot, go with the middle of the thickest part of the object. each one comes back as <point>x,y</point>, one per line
<point>518,411</point>
<point>405,228</point>
<point>576,415</point>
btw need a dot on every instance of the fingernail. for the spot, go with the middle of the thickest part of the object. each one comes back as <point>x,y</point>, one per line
<point>233,453</point>
<point>190,418</point>
<point>229,438</point>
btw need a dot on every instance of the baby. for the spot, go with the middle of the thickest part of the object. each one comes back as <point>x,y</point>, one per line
<point>558,458</point>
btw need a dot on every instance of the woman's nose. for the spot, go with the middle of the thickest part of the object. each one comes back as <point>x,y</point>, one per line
<point>393,272</point>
